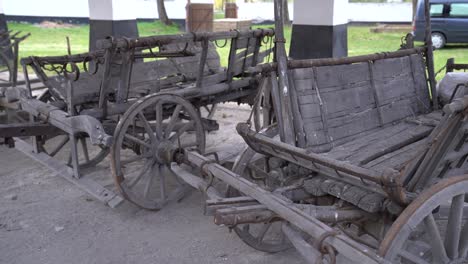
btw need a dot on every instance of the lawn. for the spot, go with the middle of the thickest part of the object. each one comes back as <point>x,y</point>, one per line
<point>52,41</point>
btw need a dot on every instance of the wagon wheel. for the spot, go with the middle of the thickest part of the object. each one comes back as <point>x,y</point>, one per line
<point>433,228</point>
<point>266,237</point>
<point>146,139</point>
<point>59,147</point>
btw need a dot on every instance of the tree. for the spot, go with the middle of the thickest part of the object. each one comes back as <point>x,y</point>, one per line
<point>162,13</point>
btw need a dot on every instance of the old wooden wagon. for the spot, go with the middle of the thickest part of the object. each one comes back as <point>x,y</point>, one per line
<point>112,98</point>
<point>9,52</point>
<point>357,161</point>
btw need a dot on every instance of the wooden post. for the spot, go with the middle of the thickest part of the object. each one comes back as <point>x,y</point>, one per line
<point>283,80</point>
<point>430,55</point>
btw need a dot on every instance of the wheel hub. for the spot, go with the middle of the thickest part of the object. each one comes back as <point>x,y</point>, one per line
<point>163,152</point>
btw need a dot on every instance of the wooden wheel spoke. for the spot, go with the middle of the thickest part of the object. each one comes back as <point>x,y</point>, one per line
<point>162,184</point>
<point>263,232</point>
<point>149,182</point>
<point>438,250</point>
<point>454,226</point>
<point>172,121</point>
<point>147,126</point>
<point>412,257</point>
<point>84,146</point>
<point>159,120</point>
<point>69,161</point>
<point>184,128</point>
<point>146,167</point>
<point>60,146</point>
<point>137,140</point>
<point>463,252</point>
<point>136,158</point>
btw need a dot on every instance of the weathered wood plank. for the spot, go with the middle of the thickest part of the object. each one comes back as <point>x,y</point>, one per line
<point>397,159</point>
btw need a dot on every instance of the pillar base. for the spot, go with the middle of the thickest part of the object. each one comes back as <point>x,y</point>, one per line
<point>3,23</point>
<point>100,29</point>
<point>311,41</point>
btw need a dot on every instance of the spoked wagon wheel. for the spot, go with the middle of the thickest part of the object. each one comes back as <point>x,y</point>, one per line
<point>146,139</point>
<point>60,147</point>
<point>433,228</point>
<point>266,237</point>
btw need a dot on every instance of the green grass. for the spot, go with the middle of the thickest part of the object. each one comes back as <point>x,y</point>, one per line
<point>51,41</point>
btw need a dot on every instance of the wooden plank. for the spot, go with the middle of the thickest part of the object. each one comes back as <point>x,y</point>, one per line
<point>389,144</point>
<point>341,75</point>
<point>420,83</point>
<point>353,146</point>
<point>397,159</point>
<point>390,68</point>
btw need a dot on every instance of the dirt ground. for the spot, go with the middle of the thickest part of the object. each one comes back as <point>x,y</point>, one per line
<point>44,219</point>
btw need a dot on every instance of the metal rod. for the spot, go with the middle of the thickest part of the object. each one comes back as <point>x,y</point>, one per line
<point>168,39</point>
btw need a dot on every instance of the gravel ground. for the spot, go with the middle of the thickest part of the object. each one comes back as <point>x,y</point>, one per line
<point>46,220</point>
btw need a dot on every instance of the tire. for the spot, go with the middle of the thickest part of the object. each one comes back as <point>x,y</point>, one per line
<point>438,40</point>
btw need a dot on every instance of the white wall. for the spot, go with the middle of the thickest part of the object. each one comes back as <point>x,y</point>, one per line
<point>79,8</point>
<point>58,8</point>
<point>356,12</point>
<point>320,12</point>
<point>365,12</point>
<point>386,12</point>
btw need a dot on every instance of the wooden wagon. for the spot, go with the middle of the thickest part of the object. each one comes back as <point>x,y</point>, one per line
<point>109,101</point>
<point>357,161</point>
<point>9,52</point>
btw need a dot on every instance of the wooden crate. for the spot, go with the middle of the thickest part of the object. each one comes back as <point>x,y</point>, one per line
<point>199,17</point>
<point>227,24</point>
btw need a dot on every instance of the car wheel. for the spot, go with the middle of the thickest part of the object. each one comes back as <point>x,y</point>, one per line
<point>438,40</point>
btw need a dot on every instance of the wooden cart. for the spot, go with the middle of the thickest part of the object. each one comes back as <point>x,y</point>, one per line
<point>356,162</point>
<point>112,99</point>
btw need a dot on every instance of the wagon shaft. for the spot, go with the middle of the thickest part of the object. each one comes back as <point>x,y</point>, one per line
<point>282,207</point>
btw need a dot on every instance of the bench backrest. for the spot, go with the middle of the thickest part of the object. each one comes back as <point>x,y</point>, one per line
<point>341,102</point>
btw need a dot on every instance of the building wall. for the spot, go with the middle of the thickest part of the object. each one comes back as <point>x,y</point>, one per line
<point>357,12</point>
<point>77,10</point>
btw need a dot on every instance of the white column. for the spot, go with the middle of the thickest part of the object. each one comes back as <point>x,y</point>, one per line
<point>3,22</point>
<point>111,18</point>
<point>319,29</point>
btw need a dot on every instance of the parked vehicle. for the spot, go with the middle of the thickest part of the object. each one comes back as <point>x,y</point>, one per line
<point>449,22</point>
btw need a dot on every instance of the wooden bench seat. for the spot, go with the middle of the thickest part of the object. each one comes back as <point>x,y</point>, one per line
<point>374,115</point>
<point>341,102</point>
<point>389,147</point>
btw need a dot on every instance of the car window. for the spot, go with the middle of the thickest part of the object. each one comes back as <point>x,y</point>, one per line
<point>459,10</point>
<point>437,10</point>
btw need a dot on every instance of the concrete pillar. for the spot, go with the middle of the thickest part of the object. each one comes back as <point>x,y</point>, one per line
<point>111,18</point>
<point>320,29</point>
<point>3,22</point>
